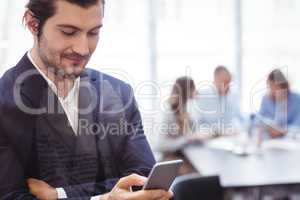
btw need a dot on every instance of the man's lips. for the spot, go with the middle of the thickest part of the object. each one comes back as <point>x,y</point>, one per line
<point>75,59</point>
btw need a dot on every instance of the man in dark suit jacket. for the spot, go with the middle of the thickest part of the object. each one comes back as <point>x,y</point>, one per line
<point>42,145</point>
<point>51,150</point>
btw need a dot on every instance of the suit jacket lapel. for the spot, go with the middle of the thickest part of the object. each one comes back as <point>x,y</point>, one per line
<point>87,104</point>
<point>57,120</point>
<point>108,116</point>
<point>91,124</point>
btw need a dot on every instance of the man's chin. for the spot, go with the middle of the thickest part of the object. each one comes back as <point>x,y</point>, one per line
<point>70,74</point>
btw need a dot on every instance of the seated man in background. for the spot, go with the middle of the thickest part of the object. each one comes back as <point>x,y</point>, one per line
<point>217,106</point>
<point>280,110</point>
<point>66,131</point>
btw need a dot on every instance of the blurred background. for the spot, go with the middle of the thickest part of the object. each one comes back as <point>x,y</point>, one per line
<point>149,43</point>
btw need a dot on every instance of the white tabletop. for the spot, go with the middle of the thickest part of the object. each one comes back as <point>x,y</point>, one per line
<point>277,163</point>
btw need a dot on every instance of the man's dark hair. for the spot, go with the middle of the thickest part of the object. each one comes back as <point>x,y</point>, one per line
<point>42,10</point>
<point>221,69</point>
<point>278,78</point>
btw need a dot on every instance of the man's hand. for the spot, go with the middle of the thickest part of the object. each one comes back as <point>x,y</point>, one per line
<point>41,189</point>
<point>122,190</point>
<point>275,133</point>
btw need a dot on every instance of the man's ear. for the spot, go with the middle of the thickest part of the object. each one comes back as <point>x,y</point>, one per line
<point>31,22</point>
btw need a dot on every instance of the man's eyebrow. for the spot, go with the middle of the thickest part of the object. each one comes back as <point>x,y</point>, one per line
<point>76,28</point>
<point>97,27</point>
<point>68,26</point>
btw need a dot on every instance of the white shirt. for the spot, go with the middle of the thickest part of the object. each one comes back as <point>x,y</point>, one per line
<point>70,106</point>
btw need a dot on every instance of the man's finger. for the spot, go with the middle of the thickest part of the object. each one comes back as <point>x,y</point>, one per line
<point>164,195</point>
<point>171,193</point>
<point>132,180</point>
<point>32,181</point>
<point>151,195</point>
<point>168,197</point>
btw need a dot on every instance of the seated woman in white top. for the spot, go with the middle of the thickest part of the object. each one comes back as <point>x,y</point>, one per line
<point>177,127</point>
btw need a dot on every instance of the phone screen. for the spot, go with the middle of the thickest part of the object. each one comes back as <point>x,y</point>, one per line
<point>162,175</point>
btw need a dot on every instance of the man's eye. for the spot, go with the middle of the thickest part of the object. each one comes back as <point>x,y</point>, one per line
<point>94,33</point>
<point>68,33</point>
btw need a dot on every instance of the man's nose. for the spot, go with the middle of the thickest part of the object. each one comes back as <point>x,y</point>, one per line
<point>81,46</point>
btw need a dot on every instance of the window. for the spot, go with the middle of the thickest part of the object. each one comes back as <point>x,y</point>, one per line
<point>271,30</point>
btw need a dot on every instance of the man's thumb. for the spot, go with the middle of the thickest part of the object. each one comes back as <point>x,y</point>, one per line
<point>132,180</point>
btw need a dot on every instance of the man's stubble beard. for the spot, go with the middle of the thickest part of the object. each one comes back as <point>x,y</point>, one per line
<point>48,59</point>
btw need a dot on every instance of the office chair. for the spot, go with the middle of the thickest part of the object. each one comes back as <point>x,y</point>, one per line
<point>196,187</point>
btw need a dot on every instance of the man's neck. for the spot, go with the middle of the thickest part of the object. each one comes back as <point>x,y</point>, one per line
<point>63,85</point>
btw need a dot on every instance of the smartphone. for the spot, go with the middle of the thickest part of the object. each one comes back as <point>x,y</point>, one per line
<point>162,175</point>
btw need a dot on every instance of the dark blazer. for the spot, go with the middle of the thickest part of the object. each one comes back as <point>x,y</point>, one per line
<point>29,109</point>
